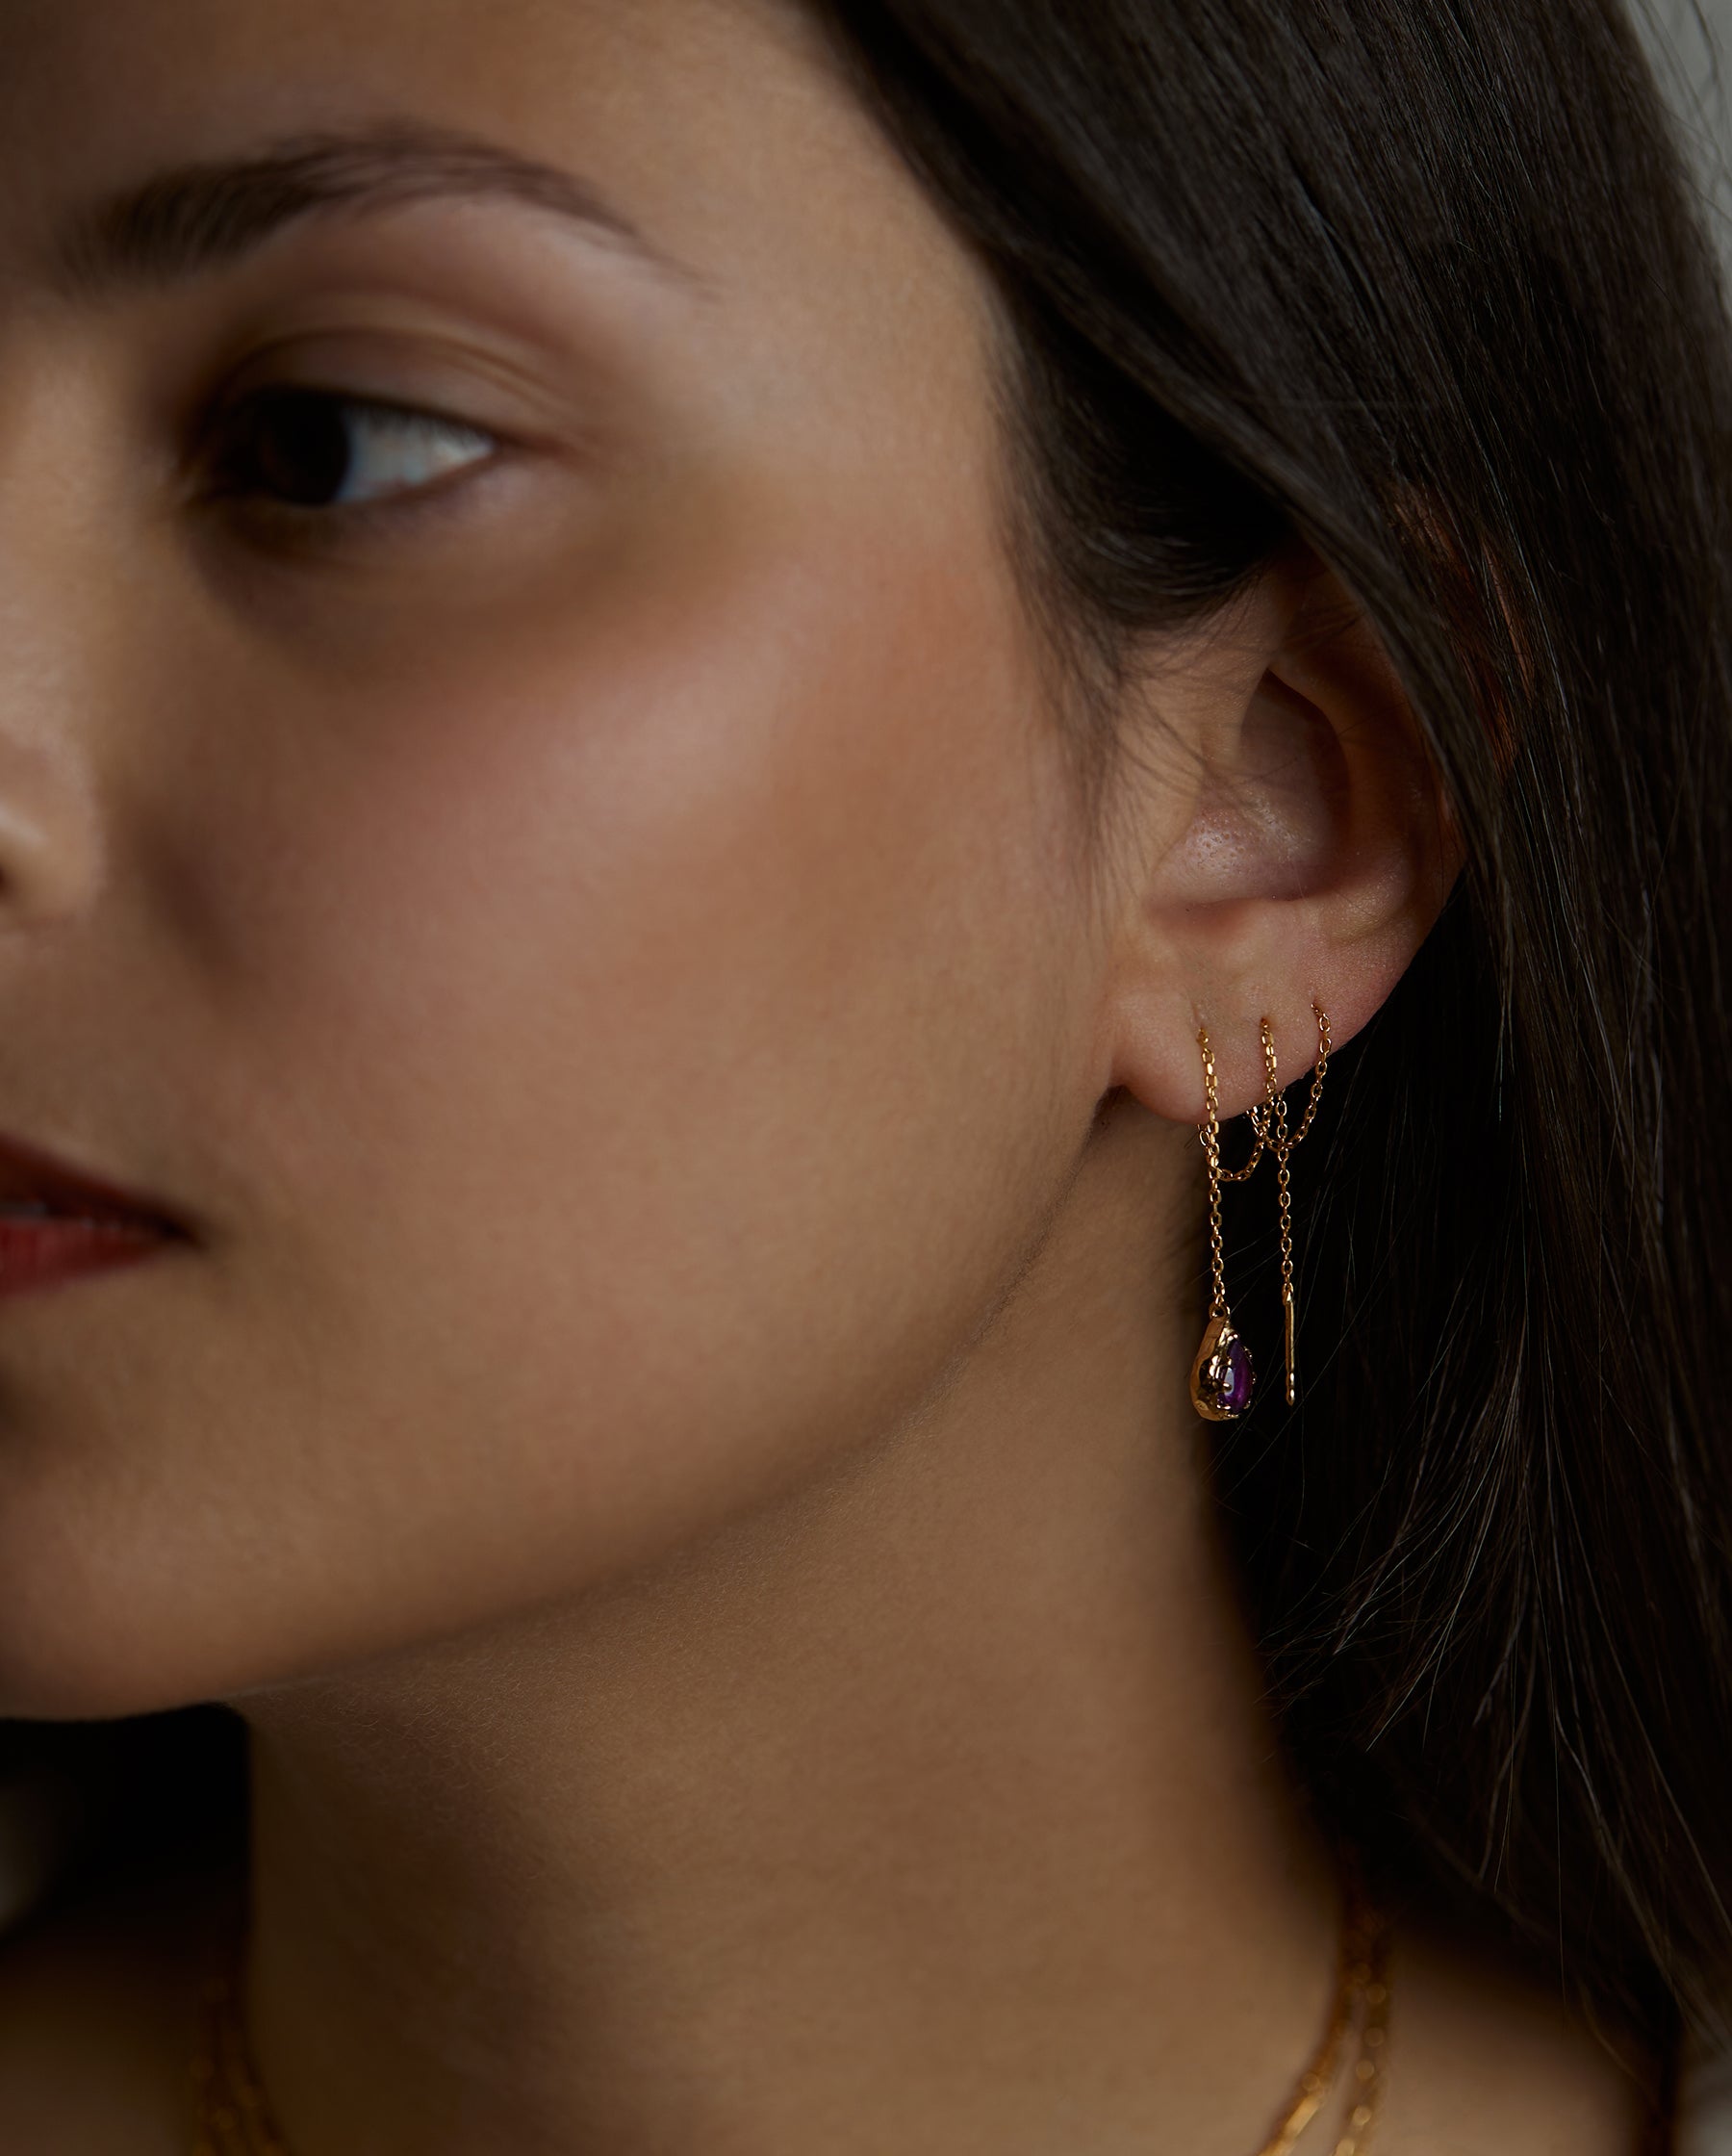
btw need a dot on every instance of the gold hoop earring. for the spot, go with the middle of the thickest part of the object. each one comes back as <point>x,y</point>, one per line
<point>1222,1377</point>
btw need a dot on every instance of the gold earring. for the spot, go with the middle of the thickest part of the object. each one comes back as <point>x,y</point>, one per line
<point>1222,1377</point>
<point>1271,1128</point>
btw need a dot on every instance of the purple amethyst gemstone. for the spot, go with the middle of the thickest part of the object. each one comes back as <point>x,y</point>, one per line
<point>1229,1367</point>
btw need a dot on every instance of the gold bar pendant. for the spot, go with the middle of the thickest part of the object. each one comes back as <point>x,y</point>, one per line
<point>1292,1387</point>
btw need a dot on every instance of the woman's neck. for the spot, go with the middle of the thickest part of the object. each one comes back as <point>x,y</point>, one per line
<point>933,1808</point>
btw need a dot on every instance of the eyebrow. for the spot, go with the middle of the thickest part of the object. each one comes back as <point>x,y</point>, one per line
<point>204,216</point>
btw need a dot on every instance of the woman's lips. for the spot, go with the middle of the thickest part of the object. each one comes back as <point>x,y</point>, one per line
<point>57,1223</point>
<point>35,1253</point>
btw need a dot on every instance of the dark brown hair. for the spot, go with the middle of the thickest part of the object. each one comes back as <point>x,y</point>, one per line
<point>1425,286</point>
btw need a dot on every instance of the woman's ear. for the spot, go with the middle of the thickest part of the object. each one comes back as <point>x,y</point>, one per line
<point>1287,842</point>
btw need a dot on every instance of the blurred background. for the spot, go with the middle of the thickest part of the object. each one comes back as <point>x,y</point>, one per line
<point>1692,44</point>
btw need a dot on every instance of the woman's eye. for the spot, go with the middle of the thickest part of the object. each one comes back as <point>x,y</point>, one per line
<point>312,449</point>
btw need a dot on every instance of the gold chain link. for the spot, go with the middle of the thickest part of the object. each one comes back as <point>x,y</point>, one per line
<point>1275,1123</point>
<point>1209,1132</point>
<point>1210,1135</point>
<point>1268,1119</point>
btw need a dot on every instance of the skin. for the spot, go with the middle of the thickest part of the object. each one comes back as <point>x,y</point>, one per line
<point>671,1423</point>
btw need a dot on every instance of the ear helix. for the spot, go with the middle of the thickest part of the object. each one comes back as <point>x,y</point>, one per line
<point>1222,1378</point>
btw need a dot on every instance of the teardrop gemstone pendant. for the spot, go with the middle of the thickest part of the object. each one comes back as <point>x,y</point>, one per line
<point>1221,1376</point>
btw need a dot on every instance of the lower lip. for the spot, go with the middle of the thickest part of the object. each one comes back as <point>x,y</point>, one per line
<point>36,1252</point>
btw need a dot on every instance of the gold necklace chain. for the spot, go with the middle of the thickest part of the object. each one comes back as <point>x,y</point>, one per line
<point>234,2115</point>
<point>1361,2005</point>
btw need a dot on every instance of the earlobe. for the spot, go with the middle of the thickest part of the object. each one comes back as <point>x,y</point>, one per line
<point>1308,857</point>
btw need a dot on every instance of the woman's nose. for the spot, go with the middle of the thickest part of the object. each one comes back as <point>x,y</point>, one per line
<point>50,850</point>
<point>62,667</point>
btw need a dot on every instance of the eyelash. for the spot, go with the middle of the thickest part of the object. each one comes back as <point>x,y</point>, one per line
<point>234,438</point>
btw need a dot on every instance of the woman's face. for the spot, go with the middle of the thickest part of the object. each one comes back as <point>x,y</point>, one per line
<point>570,898</point>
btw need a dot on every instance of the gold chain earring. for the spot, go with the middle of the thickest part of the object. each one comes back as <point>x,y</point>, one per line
<point>1222,1377</point>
